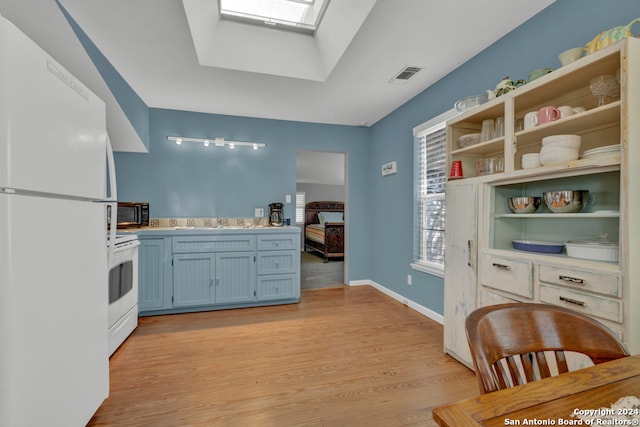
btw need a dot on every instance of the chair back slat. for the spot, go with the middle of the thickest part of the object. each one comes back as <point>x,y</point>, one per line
<point>542,364</point>
<point>561,362</point>
<point>527,366</point>
<point>514,370</point>
<point>516,343</point>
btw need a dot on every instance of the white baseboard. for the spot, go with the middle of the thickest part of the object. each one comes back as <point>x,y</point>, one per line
<point>436,317</point>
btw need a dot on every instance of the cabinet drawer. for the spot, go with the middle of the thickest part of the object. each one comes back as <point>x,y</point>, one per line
<point>592,305</point>
<point>213,244</point>
<point>277,242</point>
<point>506,274</point>
<point>277,286</point>
<point>490,298</point>
<point>607,284</point>
<point>277,262</point>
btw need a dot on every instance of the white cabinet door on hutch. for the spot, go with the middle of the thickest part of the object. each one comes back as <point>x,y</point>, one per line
<point>460,262</point>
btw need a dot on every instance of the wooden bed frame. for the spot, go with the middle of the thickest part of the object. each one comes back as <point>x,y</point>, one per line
<point>333,246</point>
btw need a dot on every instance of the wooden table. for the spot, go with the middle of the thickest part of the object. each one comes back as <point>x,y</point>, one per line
<point>553,399</point>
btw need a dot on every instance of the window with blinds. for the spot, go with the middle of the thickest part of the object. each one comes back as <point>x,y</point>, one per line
<point>430,179</point>
<point>300,202</point>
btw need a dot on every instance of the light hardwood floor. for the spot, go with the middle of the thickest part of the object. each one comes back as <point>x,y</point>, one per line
<point>348,356</point>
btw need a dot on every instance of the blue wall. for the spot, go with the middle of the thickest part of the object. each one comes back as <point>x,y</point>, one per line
<point>190,180</point>
<point>535,44</point>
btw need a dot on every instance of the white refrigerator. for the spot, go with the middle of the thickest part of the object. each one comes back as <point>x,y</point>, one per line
<point>54,365</point>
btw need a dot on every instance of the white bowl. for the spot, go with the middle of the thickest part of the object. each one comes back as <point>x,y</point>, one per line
<point>571,55</point>
<point>530,160</point>
<point>563,144</point>
<point>557,155</point>
<point>567,141</point>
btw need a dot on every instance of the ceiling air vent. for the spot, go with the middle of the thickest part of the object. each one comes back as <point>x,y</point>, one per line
<point>404,75</point>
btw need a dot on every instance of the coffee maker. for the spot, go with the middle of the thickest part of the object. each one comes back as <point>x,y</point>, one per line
<point>276,217</point>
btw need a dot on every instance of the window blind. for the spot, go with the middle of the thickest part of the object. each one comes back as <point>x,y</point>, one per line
<point>300,203</point>
<point>430,169</point>
<point>431,197</point>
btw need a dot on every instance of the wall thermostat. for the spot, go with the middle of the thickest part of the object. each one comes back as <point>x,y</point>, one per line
<point>389,168</point>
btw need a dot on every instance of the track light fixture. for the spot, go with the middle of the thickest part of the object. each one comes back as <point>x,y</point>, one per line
<point>218,142</point>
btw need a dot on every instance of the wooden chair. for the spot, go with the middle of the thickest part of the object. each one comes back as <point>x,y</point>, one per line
<point>516,343</point>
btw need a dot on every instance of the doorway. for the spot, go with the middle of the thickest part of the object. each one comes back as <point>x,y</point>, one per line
<point>320,176</point>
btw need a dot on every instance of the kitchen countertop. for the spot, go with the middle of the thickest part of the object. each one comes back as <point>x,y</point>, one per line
<point>150,231</point>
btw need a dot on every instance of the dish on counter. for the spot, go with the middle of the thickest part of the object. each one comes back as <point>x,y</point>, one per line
<point>538,246</point>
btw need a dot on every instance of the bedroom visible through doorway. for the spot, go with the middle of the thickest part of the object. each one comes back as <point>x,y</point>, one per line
<point>320,176</point>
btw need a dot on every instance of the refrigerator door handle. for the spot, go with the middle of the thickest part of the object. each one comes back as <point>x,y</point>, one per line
<point>111,167</point>
<point>113,201</point>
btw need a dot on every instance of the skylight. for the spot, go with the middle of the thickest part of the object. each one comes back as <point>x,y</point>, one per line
<point>302,16</point>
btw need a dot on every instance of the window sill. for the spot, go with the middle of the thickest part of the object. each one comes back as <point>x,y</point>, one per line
<point>434,270</point>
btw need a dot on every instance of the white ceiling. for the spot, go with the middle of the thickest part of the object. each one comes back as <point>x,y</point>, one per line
<point>152,46</point>
<point>249,71</point>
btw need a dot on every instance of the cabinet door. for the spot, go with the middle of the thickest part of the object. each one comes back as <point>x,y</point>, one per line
<point>235,277</point>
<point>460,266</point>
<point>193,279</point>
<point>151,277</point>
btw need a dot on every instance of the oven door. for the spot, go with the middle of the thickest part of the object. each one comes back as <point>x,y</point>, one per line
<point>123,281</point>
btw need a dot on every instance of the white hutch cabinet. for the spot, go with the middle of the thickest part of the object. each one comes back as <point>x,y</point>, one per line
<point>482,267</point>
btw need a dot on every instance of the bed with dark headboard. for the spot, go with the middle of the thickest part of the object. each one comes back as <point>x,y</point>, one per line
<point>324,229</point>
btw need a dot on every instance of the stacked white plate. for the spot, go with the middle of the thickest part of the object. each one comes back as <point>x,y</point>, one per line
<point>600,151</point>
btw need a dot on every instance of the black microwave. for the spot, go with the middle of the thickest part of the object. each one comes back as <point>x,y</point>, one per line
<point>133,214</point>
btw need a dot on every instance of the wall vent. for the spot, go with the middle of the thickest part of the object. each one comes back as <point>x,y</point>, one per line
<point>404,75</point>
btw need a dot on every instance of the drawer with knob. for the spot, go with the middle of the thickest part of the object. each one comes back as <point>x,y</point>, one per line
<point>277,242</point>
<point>590,304</point>
<point>276,262</point>
<point>506,274</point>
<point>586,280</point>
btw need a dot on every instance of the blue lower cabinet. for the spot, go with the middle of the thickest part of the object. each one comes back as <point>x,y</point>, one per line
<point>210,278</point>
<point>235,279</point>
<point>213,269</point>
<point>278,267</point>
<point>193,279</point>
<point>154,262</point>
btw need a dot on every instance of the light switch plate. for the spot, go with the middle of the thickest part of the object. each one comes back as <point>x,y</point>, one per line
<point>288,198</point>
<point>259,213</point>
